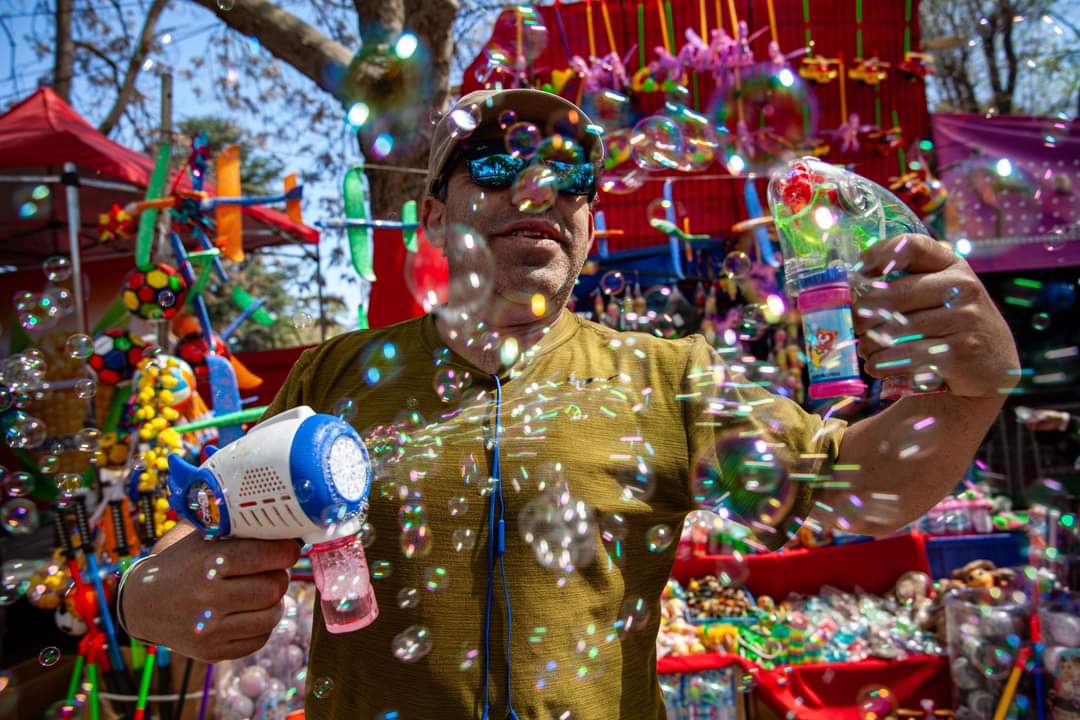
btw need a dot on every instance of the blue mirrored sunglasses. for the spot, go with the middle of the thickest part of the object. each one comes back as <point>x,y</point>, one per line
<point>499,170</point>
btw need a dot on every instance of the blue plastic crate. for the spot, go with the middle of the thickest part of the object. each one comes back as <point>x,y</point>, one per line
<point>949,552</point>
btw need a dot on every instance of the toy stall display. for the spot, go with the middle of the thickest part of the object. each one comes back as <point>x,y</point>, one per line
<point>94,421</point>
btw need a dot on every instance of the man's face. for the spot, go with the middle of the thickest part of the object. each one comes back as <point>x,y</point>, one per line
<point>533,252</point>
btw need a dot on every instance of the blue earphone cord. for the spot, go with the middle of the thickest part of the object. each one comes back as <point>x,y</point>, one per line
<point>496,550</point>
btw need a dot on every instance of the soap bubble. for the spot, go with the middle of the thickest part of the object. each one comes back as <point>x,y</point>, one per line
<point>463,539</point>
<point>412,644</point>
<point>379,362</point>
<point>79,347</point>
<point>471,275</point>
<point>633,616</point>
<point>43,314</point>
<point>18,484</point>
<point>415,541</point>
<point>875,702</point>
<point>744,477</point>
<point>87,439</point>
<point>657,143</point>
<point>463,120</point>
<point>85,388</point>
<point>302,320</point>
<point>19,516</point>
<point>57,268</point>
<point>772,117</point>
<point>663,213</point>
<point>49,656</point>
<point>381,569</point>
<point>1040,321</point>
<point>701,142</point>
<point>619,174</point>
<point>507,118</point>
<point>737,264</point>
<point>458,506</point>
<point>535,189</point>
<point>408,598</point>
<point>322,687</point>
<point>25,432</point>
<point>451,383</point>
<point>345,409</point>
<point>395,107</point>
<point>752,323</point>
<point>610,109</point>
<point>658,538</point>
<point>435,578</point>
<point>560,529</point>
<point>612,282</point>
<point>529,43</point>
<point>523,139</point>
<point>68,483</point>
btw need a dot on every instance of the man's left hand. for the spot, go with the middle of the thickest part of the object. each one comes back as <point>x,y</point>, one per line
<point>938,314</point>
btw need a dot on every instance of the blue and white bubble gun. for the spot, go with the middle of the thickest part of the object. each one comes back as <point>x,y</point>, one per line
<point>297,475</point>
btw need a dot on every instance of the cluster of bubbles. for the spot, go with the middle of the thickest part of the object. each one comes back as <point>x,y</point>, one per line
<point>560,529</point>
<point>274,681</point>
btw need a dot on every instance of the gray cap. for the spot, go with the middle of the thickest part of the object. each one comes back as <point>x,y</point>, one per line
<point>550,112</point>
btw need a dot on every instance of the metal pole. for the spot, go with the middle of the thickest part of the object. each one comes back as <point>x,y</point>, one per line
<point>164,219</point>
<point>70,178</point>
<point>318,281</point>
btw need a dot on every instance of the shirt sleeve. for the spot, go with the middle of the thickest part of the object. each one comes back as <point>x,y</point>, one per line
<point>755,457</point>
<point>295,390</point>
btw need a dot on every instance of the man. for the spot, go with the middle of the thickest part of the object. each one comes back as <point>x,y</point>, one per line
<point>577,422</point>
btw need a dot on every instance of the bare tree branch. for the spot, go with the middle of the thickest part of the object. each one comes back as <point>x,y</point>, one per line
<point>289,39</point>
<point>64,52</point>
<point>103,56</point>
<point>138,56</point>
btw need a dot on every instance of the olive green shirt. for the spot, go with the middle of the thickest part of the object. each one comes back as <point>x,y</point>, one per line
<point>616,421</point>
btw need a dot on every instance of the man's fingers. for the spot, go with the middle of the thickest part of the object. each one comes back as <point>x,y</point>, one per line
<point>254,624</point>
<point>907,358</point>
<point>251,592</point>
<point>911,293</point>
<point>907,253</point>
<point>241,556</point>
<point>936,323</point>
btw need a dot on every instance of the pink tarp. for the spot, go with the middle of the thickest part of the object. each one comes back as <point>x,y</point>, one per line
<point>1014,188</point>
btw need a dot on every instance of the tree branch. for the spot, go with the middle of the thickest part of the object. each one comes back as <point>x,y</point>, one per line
<point>103,56</point>
<point>127,88</point>
<point>289,39</point>
<point>380,22</point>
<point>64,55</point>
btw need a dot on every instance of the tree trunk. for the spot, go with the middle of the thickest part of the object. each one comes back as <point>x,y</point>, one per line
<point>127,87</point>
<point>64,57</point>
<point>431,21</point>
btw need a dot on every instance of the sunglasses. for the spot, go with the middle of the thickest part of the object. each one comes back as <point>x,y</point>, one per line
<point>490,166</point>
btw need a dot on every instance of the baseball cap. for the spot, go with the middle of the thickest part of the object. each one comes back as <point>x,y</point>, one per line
<point>550,112</point>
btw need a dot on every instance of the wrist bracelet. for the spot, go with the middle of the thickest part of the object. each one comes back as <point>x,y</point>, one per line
<point>120,593</point>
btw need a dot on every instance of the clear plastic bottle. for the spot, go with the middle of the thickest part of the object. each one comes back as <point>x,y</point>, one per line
<point>824,300</point>
<point>341,574</point>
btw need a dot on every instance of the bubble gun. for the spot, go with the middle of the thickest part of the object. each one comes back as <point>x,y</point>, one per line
<point>297,475</point>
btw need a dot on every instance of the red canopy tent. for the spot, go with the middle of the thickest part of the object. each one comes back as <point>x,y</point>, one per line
<point>42,133</point>
<point>46,147</point>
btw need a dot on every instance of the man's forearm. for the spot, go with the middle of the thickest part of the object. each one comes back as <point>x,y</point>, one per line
<point>896,465</point>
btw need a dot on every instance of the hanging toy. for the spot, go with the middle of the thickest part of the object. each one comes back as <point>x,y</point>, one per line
<point>116,355</point>
<point>158,292</point>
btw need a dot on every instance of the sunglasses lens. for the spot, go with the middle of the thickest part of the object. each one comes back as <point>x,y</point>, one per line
<point>495,171</point>
<point>499,171</point>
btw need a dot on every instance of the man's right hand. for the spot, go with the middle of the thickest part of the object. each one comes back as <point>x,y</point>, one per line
<point>211,600</point>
